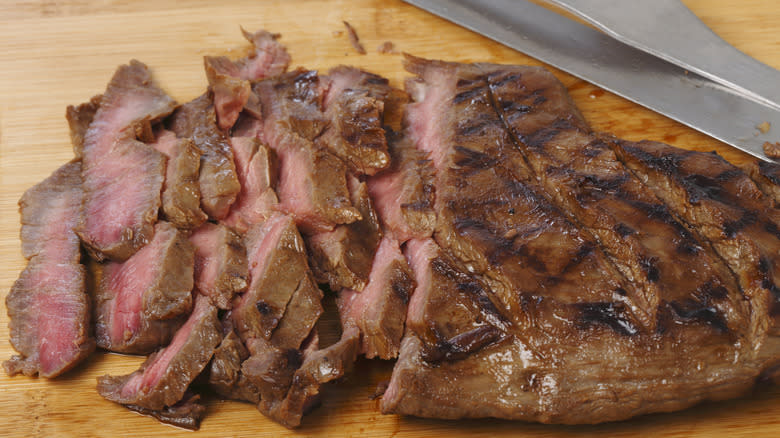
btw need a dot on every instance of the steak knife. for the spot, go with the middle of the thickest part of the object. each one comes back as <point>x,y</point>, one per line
<point>729,114</point>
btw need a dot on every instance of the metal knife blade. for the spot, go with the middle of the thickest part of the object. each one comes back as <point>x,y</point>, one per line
<point>635,75</point>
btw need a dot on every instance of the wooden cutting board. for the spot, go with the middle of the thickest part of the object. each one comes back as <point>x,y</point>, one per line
<point>55,53</point>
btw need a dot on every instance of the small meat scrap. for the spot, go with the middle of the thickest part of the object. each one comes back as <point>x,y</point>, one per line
<point>140,303</point>
<point>764,127</point>
<point>122,177</point>
<point>221,269</point>
<point>181,193</point>
<point>386,47</point>
<point>354,39</point>
<point>164,378</point>
<point>772,150</point>
<point>48,306</point>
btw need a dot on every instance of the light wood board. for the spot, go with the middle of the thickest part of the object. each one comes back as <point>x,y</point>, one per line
<point>55,53</point>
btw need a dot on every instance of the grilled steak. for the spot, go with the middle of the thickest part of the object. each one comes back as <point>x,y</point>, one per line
<point>312,181</point>
<point>140,303</point>
<point>181,194</point>
<point>221,269</point>
<point>122,177</point>
<point>186,413</point>
<point>225,375</point>
<point>379,310</point>
<point>218,181</point>
<point>256,167</point>
<point>767,178</point>
<point>342,257</point>
<point>404,193</point>
<point>79,117</point>
<point>165,376</point>
<point>47,306</point>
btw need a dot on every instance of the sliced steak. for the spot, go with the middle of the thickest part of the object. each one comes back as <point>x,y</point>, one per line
<point>279,278</point>
<point>256,166</point>
<point>186,414</point>
<point>229,81</point>
<point>225,374</point>
<point>165,376</point>
<point>79,117</point>
<point>312,181</point>
<point>181,194</point>
<point>342,257</point>
<point>490,212</point>
<point>48,306</point>
<point>141,302</point>
<point>379,310</point>
<point>404,193</point>
<point>122,177</point>
<point>767,178</point>
<point>218,181</point>
<point>221,269</point>
<point>318,368</point>
<point>635,228</point>
<point>728,209</point>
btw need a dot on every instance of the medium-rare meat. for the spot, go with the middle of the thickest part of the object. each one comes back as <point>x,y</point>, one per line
<point>229,80</point>
<point>221,269</point>
<point>354,105</point>
<point>767,177</point>
<point>218,181</point>
<point>585,178</point>
<point>181,194</point>
<point>319,367</point>
<point>280,280</point>
<point>728,209</point>
<point>256,167</point>
<point>122,177</point>
<point>404,193</point>
<point>342,257</point>
<point>379,310</point>
<point>165,376</point>
<point>312,181</point>
<point>490,213</point>
<point>48,306</point>
<point>140,303</point>
<point>79,117</point>
<point>481,343</point>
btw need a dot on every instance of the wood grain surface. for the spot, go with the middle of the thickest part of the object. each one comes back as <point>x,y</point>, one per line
<point>59,52</point>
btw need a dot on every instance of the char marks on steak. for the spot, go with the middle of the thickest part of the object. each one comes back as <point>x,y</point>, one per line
<point>312,181</point>
<point>636,229</point>
<point>229,81</point>
<point>221,269</point>
<point>256,166</point>
<point>122,177</point>
<point>48,306</point>
<point>767,177</point>
<point>726,207</point>
<point>140,303</point>
<point>181,194</point>
<point>404,193</point>
<point>217,179</point>
<point>379,310</point>
<point>342,257</point>
<point>164,377</point>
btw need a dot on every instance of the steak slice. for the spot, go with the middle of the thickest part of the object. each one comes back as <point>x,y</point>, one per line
<point>256,166</point>
<point>636,229</point>
<point>342,257</point>
<point>727,208</point>
<point>229,81</point>
<point>279,276</point>
<point>767,177</point>
<point>186,414</point>
<point>79,117</point>
<point>218,181</point>
<point>379,310</point>
<point>47,306</point>
<point>312,181</point>
<point>225,374</point>
<point>221,269</point>
<point>181,194</point>
<point>404,193</point>
<point>490,212</point>
<point>165,376</point>
<point>122,177</point>
<point>141,302</point>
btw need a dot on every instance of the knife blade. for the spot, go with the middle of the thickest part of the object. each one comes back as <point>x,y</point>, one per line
<point>688,98</point>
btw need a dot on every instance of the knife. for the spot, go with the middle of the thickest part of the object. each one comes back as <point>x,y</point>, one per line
<point>702,104</point>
